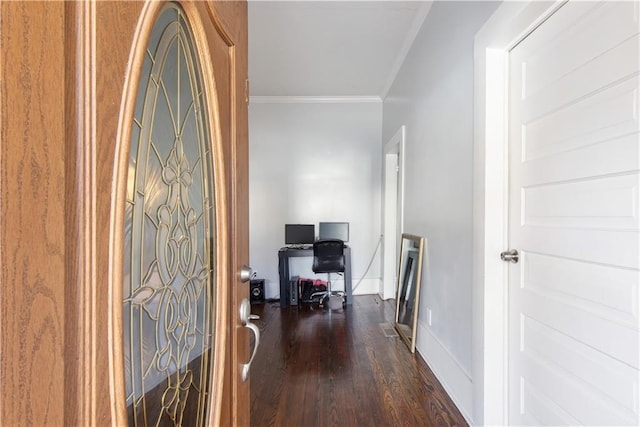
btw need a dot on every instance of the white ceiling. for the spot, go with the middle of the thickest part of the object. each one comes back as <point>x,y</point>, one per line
<point>327,48</point>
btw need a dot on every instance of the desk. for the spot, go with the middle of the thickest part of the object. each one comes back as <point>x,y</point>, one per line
<point>283,269</point>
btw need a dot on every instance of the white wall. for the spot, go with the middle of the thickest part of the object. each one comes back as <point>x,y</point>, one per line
<point>433,96</point>
<point>312,162</point>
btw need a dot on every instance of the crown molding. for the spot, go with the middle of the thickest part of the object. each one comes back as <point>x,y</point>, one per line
<point>314,99</point>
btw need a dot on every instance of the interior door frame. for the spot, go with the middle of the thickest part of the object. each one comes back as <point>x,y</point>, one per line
<point>392,210</point>
<point>509,24</point>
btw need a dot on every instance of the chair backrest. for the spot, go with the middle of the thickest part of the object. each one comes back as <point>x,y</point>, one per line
<point>328,256</point>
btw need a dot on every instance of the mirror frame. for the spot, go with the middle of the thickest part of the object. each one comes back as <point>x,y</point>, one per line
<point>419,245</point>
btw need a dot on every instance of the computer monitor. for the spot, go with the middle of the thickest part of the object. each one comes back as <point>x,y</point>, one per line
<point>334,230</point>
<point>299,234</point>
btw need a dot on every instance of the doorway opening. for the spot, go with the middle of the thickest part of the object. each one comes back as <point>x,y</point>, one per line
<point>393,178</point>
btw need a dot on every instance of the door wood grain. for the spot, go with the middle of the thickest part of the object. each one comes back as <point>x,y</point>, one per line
<point>63,106</point>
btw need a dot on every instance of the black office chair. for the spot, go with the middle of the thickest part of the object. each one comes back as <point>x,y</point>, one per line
<point>328,257</point>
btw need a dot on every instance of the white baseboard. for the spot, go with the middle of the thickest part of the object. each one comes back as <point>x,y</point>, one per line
<point>455,380</point>
<point>366,287</point>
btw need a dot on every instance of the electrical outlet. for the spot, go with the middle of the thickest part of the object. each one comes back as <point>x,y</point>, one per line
<point>429,316</point>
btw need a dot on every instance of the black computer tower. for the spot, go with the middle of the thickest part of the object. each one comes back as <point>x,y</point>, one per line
<point>293,291</point>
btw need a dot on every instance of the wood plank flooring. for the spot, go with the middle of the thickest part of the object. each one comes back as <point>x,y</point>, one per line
<point>319,368</point>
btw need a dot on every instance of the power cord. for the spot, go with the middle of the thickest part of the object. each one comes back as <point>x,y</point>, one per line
<point>375,251</point>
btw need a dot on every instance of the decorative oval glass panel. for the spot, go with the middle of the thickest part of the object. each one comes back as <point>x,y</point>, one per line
<point>168,290</point>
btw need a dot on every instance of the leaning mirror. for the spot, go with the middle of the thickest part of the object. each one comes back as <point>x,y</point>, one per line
<point>408,289</point>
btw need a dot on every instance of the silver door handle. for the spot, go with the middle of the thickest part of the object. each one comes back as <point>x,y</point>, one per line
<point>510,256</point>
<point>245,273</point>
<point>245,318</point>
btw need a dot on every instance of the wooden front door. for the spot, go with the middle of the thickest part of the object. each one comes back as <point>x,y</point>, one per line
<point>72,274</point>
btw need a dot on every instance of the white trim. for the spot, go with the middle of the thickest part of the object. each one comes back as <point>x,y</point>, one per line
<point>453,377</point>
<point>389,222</point>
<point>313,99</point>
<point>366,286</point>
<point>393,188</point>
<point>421,15</point>
<point>510,23</point>
<point>399,139</point>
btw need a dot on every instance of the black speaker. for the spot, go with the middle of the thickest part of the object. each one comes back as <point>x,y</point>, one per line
<point>256,291</point>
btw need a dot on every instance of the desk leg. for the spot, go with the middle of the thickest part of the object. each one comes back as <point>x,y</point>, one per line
<point>347,276</point>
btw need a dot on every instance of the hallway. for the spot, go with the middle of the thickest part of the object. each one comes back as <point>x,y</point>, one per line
<point>319,369</point>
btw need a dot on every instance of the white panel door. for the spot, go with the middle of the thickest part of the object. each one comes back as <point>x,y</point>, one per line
<point>574,189</point>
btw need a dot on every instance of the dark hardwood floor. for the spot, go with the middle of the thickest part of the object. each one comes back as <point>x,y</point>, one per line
<point>319,368</point>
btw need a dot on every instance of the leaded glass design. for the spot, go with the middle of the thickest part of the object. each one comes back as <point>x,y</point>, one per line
<point>168,290</point>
